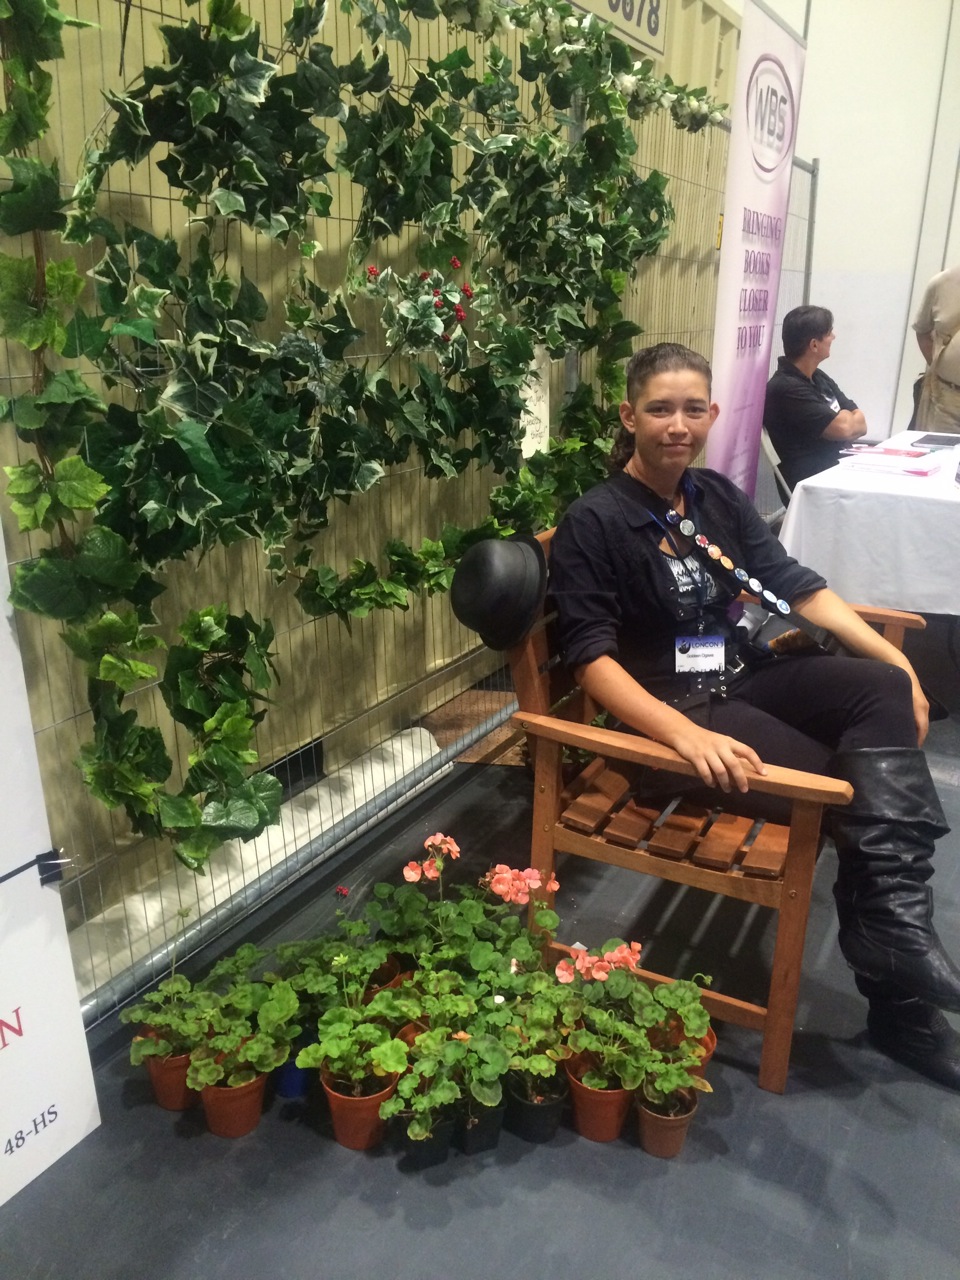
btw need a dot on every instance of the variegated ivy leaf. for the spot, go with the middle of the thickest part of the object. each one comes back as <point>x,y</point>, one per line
<point>251,76</point>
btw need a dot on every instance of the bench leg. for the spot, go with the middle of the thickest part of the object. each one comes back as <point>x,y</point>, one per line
<point>788,952</point>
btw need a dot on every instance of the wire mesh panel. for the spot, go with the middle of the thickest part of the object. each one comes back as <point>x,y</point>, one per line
<point>351,730</point>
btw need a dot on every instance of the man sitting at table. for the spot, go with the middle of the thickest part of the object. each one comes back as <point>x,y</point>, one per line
<point>807,416</point>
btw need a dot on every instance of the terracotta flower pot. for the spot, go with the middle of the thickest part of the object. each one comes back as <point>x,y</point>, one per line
<point>233,1112</point>
<point>598,1114</point>
<point>356,1120</point>
<point>708,1043</point>
<point>387,977</point>
<point>169,1079</point>
<point>664,1135</point>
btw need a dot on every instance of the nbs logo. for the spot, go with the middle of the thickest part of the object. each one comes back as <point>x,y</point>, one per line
<point>771,114</point>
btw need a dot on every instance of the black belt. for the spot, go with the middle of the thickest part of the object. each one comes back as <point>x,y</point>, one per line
<point>680,687</point>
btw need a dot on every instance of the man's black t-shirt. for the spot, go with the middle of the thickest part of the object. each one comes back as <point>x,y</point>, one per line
<point>797,411</point>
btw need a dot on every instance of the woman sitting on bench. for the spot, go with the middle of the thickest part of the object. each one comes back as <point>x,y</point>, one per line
<point>644,570</point>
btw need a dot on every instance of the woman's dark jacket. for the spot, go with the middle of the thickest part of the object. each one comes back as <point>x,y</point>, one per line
<point>616,595</point>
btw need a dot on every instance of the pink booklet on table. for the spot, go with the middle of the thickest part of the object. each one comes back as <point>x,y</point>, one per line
<point>904,462</point>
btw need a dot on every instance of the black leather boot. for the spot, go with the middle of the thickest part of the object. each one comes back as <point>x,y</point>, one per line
<point>912,1032</point>
<point>885,840</point>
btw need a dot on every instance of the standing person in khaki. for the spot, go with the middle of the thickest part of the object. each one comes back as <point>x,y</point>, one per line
<point>938,334</point>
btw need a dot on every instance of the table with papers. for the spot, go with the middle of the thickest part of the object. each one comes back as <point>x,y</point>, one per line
<point>880,530</point>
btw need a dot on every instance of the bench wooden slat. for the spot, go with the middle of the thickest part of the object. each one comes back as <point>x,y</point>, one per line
<point>588,811</point>
<point>768,853</point>
<point>722,842</point>
<point>676,836</point>
<point>630,825</point>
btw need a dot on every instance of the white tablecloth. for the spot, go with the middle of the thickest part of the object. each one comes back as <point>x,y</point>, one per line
<point>879,538</point>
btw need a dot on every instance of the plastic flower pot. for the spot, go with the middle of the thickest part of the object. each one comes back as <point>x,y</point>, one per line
<point>664,1135</point>
<point>708,1043</point>
<point>425,1153</point>
<point>168,1076</point>
<point>233,1112</point>
<point>598,1114</point>
<point>356,1119</point>
<point>535,1119</point>
<point>478,1130</point>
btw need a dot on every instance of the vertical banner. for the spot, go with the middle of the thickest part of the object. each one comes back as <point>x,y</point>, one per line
<point>763,134</point>
<point>47,1097</point>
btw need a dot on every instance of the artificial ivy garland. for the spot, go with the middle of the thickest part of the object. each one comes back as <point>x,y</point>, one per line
<point>232,423</point>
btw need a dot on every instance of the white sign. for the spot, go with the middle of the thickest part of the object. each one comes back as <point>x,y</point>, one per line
<point>535,419</point>
<point>47,1097</point>
<point>763,133</point>
<point>640,22</point>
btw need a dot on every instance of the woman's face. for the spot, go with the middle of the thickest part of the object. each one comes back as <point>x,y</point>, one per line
<point>669,421</point>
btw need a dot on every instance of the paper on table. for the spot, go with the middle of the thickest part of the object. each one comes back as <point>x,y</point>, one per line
<point>903,462</point>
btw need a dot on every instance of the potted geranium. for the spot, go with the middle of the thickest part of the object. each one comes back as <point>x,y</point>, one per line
<point>173,1020</point>
<point>634,1036</point>
<point>252,1026</point>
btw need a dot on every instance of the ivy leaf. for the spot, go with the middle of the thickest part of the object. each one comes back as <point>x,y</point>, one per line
<point>235,818</point>
<point>193,500</point>
<point>105,557</point>
<point>52,587</point>
<point>177,812</point>
<point>227,202</point>
<point>86,336</point>
<point>78,486</point>
<point>227,16</point>
<point>33,203</point>
<point>251,76</point>
<point>367,475</point>
<point>126,673</point>
<point>143,329</point>
<point>202,103</point>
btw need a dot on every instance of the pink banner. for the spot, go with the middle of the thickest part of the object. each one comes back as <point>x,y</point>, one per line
<point>763,134</point>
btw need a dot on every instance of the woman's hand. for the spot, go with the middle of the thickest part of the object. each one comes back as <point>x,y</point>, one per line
<point>721,761</point>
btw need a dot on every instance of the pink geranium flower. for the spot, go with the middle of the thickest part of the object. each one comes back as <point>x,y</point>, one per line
<point>565,972</point>
<point>431,869</point>
<point>412,872</point>
<point>444,846</point>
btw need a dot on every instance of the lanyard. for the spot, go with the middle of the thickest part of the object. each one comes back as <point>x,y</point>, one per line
<point>768,599</point>
<point>700,580</point>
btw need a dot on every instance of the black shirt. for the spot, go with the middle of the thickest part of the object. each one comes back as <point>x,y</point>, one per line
<point>615,593</point>
<point>797,411</point>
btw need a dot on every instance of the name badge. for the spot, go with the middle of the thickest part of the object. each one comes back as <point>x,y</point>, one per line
<point>833,402</point>
<point>699,653</point>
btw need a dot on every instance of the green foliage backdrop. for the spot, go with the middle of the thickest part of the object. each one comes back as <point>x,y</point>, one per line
<point>225,422</point>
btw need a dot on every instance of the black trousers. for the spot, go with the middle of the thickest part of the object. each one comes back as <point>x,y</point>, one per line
<point>796,711</point>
